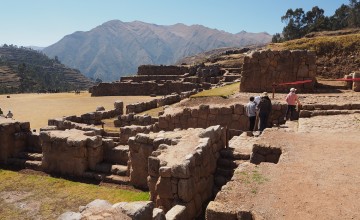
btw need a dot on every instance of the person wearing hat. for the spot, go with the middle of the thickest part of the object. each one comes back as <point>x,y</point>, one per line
<point>291,99</point>
<point>264,108</point>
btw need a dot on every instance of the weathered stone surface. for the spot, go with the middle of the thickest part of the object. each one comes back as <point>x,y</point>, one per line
<point>178,212</point>
<point>218,211</point>
<point>158,214</point>
<point>186,189</point>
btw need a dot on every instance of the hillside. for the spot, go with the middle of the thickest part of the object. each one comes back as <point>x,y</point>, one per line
<point>117,48</point>
<point>338,52</point>
<point>26,70</point>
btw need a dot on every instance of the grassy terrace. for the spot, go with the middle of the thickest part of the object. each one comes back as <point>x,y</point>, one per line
<point>323,44</point>
<point>224,91</point>
<point>28,196</point>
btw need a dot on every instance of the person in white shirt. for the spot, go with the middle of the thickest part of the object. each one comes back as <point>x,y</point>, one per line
<point>250,109</point>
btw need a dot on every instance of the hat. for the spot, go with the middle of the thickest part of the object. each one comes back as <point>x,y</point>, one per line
<point>292,90</point>
<point>264,94</point>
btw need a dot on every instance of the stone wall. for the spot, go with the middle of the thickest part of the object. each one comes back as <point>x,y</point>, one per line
<point>144,88</point>
<point>155,78</point>
<point>186,178</point>
<point>263,68</point>
<point>94,118</point>
<point>14,137</point>
<point>162,70</point>
<point>70,152</point>
<point>63,124</point>
<point>166,100</point>
<point>132,119</point>
<point>231,116</point>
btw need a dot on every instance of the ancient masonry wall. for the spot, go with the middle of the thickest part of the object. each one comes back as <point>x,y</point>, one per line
<point>186,179</point>
<point>70,152</point>
<point>162,70</point>
<point>14,137</point>
<point>231,116</point>
<point>263,68</point>
<point>166,100</point>
<point>132,119</point>
<point>96,117</point>
<point>144,88</point>
<point>155,78</point>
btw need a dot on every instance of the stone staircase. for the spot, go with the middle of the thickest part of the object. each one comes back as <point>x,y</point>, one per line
<point>28,160</point>
<point>309,110</point>
<point>113,169</point>
<point>239,151</point>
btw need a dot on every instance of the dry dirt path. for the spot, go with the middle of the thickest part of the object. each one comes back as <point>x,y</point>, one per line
<point>38,108</point>
<point>317,176</point>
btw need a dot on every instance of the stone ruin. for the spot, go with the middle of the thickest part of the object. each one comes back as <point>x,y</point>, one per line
<point>182,169</point>
<point>164,80</point>
<point>354,85</point>
<point>263,68</point>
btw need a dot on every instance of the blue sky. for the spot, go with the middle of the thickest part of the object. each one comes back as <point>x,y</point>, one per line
<point>44,22</point>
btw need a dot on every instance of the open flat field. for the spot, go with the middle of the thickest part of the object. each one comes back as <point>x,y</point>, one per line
<point>38,108</point>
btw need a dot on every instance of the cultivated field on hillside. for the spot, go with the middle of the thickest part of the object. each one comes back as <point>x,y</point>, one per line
<point>38,108</point>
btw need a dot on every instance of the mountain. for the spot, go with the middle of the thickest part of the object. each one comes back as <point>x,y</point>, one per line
<point>117,48</point>
<point>26,70</point>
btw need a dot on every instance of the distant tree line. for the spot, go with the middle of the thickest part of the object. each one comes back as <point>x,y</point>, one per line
<point>298,23</point>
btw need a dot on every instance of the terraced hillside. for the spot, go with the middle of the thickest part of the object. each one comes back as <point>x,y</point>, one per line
<point>26,70</point>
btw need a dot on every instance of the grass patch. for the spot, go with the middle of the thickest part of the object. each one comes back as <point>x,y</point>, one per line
<point>224,91</point>
<point>25,196</point>
<point>252,179</point>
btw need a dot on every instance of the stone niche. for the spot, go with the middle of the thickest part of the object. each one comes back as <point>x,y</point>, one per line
<point>14,137</point>
<point>178,167</point>
<point>70,152</point>
<point>263,68</point>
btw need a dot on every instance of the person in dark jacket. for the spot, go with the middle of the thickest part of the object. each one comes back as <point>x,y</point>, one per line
<point>264,110</point>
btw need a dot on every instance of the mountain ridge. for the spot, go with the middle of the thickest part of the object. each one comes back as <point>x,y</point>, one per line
<point>117,48</point>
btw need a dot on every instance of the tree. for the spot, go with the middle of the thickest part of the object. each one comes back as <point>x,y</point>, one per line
<point>354,15</point>
<point>277,38</point>
<point>315,20</point>
<point>295,26</point>
<point>340,19</point>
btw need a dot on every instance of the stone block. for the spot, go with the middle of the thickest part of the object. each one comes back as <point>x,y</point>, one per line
<point>186,189</point>
<point>181,170</point>
<point>178,212</point>
<point>163,188</point>
<point>165,171</point>
<point>153,166</point>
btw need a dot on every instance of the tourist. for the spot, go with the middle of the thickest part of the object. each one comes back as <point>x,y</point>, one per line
<point>1,112</point>
<point>264,110</point>
<point>291,100</point>
<point>250,109</point>
<point>9,114</point>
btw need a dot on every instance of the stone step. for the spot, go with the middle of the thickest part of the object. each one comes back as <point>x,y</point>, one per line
<point>23,163</point>
<point>115,139</point>
<point>117,155</point>
<point>107,168</point>
<point>111,134</point>
<point>231,154</point>
<point>30,156</point>
<point>108,178</point>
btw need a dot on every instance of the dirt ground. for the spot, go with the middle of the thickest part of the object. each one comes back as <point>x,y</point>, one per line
<point>317,176</point>
<point>38,108</point>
